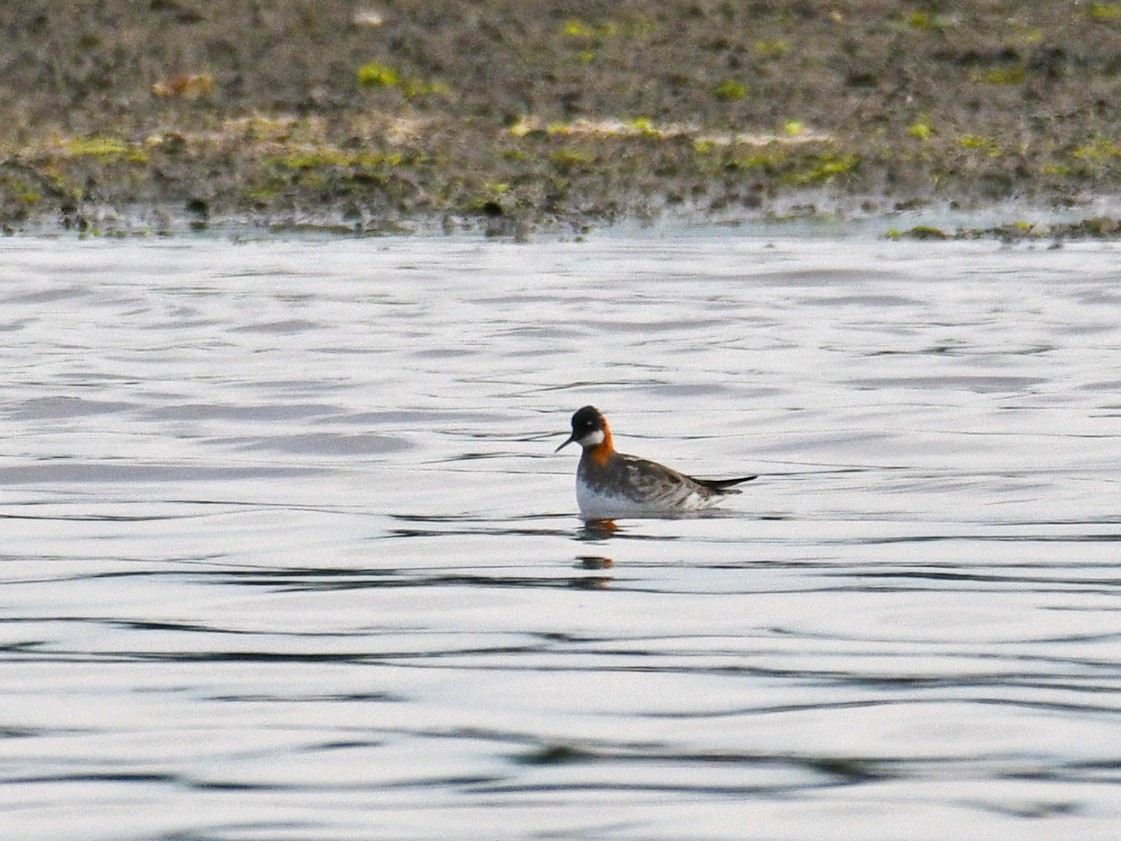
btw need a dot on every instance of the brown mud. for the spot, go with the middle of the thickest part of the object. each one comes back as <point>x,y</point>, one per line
<point>513,115</point>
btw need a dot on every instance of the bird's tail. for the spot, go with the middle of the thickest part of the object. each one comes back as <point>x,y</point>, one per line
<point>724,486</point>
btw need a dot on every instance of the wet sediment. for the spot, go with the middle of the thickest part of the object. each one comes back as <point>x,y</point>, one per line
<point>509,116</point>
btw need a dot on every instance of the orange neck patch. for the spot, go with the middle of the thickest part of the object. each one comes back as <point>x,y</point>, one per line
<point>602,451</point>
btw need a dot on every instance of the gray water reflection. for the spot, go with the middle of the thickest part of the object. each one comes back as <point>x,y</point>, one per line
<point>287,553</point>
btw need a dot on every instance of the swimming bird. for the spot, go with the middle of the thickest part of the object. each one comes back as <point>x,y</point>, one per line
<point>613,484</point>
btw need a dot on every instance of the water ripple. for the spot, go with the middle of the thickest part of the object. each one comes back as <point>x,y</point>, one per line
<point>286,545</point>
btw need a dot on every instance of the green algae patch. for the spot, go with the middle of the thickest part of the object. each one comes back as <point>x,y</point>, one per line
<point>22,191</point>
<point>798,165</point>
<point>1107,12</point>
<point>773,49</point>
<point>315,159</point>
<point>588,32</point>
<point>582,30</point>
<point>105,149</point>
<point>930,21</point>
<point>1013,75</point>
<point>567,158</point>
<point>375,75</point>
<point>920,129</point>
<point>27,196</point>
<point>1020,230</point>
<point>1098,150</point>
<point>980,143</point>
<point>826,167</point>
<point>919,232</point>
<point>325,157</point>
<point>729,90</point>
<point>96,147</point>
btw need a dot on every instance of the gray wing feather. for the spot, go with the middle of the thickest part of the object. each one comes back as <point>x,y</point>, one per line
<point>652,481</point>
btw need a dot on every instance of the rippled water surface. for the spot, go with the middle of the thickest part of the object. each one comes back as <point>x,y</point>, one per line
<point>287,553</point>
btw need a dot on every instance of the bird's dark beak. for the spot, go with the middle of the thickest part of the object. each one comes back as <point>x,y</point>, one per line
<point>568,441</point>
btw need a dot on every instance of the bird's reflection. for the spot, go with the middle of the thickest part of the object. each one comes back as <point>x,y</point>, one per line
<point>593,562</point>
<point>593,582</point>
<point>594,531</point>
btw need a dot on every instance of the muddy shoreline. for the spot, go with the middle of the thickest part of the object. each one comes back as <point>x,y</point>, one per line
<point>513,117</point>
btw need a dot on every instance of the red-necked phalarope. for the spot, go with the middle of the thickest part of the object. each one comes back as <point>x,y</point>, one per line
<point>613,484</point>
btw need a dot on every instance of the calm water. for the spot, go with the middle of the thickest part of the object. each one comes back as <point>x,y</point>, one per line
<point>287,553</point>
